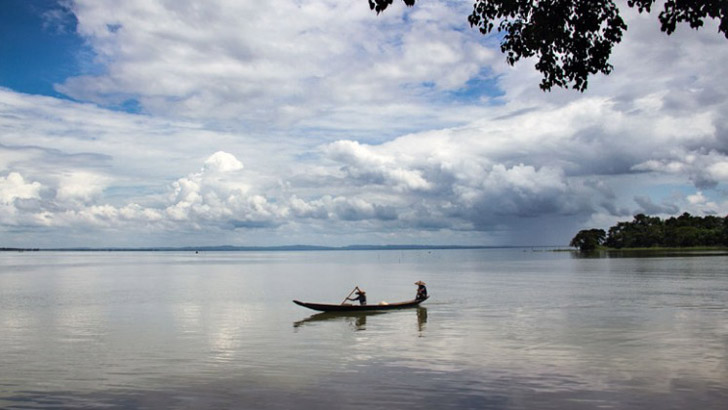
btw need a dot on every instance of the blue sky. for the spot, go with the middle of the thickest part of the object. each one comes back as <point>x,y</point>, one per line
<point>38,50</point>
<point>150,123</point>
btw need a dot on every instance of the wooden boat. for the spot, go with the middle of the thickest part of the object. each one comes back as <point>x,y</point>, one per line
<point>323,307</point>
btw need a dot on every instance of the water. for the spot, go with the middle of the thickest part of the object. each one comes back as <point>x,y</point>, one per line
<point>504,329</point>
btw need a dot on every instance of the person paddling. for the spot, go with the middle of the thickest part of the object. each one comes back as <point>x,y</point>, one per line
<point>421,290</point>
<point>361,296</point>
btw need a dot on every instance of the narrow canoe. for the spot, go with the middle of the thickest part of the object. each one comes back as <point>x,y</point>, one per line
<point>323,307</point>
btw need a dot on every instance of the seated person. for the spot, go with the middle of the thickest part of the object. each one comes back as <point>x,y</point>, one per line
<point>421,290</point>
<point>361,297</point>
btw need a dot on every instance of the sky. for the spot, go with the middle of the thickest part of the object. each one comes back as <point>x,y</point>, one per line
<point>238,122</point>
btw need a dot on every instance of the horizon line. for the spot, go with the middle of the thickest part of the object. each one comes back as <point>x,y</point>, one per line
<point>269,248</point>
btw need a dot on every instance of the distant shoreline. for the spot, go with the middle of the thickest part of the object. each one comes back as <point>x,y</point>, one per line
<point>663,249</point>
<point>313,248</point>
<point>655,252</point>
<point>228,248</point>
<point>667,248</point>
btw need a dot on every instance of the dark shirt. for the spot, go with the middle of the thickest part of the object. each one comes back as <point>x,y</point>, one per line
<point>361,298</point>
<point>421,292</point>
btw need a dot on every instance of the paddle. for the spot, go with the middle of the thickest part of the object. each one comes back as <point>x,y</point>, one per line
<point>347,297</point>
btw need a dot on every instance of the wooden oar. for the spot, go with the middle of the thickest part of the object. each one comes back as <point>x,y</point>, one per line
<point>347,297</point>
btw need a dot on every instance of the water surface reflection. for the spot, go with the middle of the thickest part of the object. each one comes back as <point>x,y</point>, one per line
<point>358,320</point>
<point>507,329</point>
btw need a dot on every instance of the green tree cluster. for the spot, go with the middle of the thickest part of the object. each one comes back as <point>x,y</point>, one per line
<point>650,231</point>
<point>588,239</point>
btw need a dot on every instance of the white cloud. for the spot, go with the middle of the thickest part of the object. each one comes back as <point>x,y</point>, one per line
<point>218,194</point>
<point>273,62</point>
<point>80,186</point>
<point>366,165</point>
<point>14,187</point>
<point>696,198</point>
<point>222,162</point>
<point>700,204</point>
<point>718,171</point>
<point>705,169</point>
<point>14,190</point>
<point>353,126</point>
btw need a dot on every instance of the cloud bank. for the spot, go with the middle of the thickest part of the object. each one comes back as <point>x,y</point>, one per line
<point>319,122</point>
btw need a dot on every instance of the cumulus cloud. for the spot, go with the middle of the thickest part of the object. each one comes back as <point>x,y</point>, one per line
<point>218,194</point>
<point>353,125</point>
<point>80,186</point>
<point>647,206</point>
<point>267,62</point>
<point>523,190</point>
<point>341,208</point>
<point>476,190</point>
<point>365,164</point>
<point>14,187</point>
<point>222,162</point>
<point>701,204</point>
<point>15,195</point>
<point>706,170</point>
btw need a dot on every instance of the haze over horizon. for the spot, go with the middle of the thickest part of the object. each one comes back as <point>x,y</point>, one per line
<point>168,124</point>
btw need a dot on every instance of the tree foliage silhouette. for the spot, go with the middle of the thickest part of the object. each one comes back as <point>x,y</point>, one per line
<point>588,239</point>
<point>573,39</point>
<point>650,231</point>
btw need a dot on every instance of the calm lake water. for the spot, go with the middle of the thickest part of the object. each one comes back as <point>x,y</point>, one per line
<point>503,329</point>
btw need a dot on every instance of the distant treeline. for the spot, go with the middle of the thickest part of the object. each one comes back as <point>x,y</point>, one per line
<point>650,231</point>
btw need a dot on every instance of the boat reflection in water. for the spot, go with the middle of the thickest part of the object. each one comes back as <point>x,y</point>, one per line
<point>358,320</point>
<point>421,318</point>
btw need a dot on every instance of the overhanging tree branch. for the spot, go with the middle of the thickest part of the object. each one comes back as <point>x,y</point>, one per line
<point>573,39</point>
